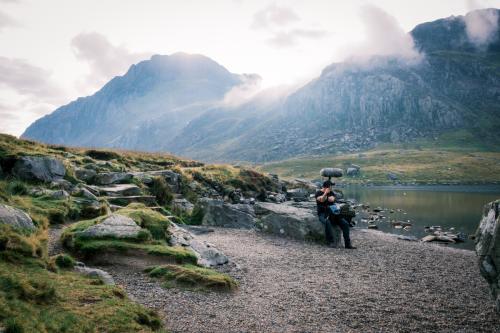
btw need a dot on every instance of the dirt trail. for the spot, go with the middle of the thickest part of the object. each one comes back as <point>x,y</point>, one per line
<point>387,285</point>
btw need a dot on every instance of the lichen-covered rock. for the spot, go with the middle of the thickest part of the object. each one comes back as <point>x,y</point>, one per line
<point>44,168</point>
<point>183,205</point>
<point>85,174</point>
<point>95,273</point>
<point>207,254</point>
<point>16,218</point>
<point>117,226</point>
<point>488,248</point>
<point>219,213</point>
<point>107,178</point>
<point>289,221</point>
<point>172,178</point>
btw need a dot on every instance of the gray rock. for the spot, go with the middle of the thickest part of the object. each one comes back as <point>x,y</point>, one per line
<point>298,194</point>
<point>41,168</point>
<point>120,190</point>
<point>392,176</point>
<point>289,221</point>
<point>62,184</point>
<point>172,178</point>
<point>85,174</point>
<point>95,273</point>
<point>59,195</point>
<point>15,218</point>
<point>107,178</point>
<point>85,193</point>
<point>207,254</point>
<point>351,172</point>
<point>183,205</point>
<point>115,225</point>
<point>219,213</point>
<point>487,240</point>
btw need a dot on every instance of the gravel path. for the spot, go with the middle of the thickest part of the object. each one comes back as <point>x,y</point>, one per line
<point>387,285</point>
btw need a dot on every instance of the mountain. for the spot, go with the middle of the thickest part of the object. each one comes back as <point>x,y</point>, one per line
<point>166,90</point>
<point>451,90</point>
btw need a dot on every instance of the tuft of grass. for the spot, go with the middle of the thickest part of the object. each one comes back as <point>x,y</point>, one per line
<point>64,261</point>
<point>196,216</point>
<point>17,187</point>
<point>161,190</point>
<point>148,219</point>
<point>193,277</point>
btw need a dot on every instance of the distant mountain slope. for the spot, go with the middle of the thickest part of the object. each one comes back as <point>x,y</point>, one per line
<point>171,89</point>
<point>169,104</point>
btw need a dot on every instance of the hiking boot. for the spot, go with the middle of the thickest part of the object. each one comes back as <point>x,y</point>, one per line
<point>350,247</point>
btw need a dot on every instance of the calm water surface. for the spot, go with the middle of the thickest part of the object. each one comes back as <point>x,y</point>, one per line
<point>459,207</point>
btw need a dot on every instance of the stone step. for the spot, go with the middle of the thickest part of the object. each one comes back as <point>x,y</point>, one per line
<point>148,200</point>
<point>119,190</point>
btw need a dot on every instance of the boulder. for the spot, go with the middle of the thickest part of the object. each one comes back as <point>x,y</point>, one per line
<point>59,195</point>
<point>392,176</point>
<point>120,190</point>
<point>95,273</point>
<point>85,193</point>
<point>298,194</point>
<point>86,175</point>
<point>117,226</point>
<point>207,254</point>
<point>289,221</point>
<point>62,184</point>
<point>43,168</point>
<point>172,178</point>
<point>218,213</point>
<point>183,205</point>
<point>16,218</point>
<point>107,178</point>
<point>487,240</point>
<point>352,172</point>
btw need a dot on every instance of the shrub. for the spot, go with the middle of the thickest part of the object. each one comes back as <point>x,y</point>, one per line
<point>196,216</point>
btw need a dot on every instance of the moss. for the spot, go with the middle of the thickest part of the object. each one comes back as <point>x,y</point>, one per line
<point>193,277</point>
<point>64,261</point>
<point>91,247</point>
<point>148,219</point>
<point>33,299</point>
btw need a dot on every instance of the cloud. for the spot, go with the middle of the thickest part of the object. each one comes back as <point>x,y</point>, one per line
<point>383,37</point>
<point>250,86</point>
<point>290,38</point>
<point>281,24</point>
<point>481,25</point>
<point>26,79</point>
<point>104,59</point>
<point>273,16</point>
<point>7,21</point>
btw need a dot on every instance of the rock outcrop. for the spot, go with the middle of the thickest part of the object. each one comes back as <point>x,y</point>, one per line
<point>16,218</point>
<point>288,221</point>
<point>95,273</point>
<point>42,168</point>
<point>117,226</point>
<point>219,213</point>
<point>488,248</point>
<point>207,254</point>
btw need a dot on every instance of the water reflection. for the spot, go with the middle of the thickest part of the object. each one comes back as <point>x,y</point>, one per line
<point>458,207</point>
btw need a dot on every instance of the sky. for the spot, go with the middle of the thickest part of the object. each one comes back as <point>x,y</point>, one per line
<point>54,51</point>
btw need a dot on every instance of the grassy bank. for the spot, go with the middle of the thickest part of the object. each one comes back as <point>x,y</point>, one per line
<point>410,166</point>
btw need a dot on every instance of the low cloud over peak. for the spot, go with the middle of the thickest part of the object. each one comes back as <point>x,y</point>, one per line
<point>481,25</point>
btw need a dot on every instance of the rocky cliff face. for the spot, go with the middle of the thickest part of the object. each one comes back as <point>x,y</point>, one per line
<point>488,249</point>
<point>352,106</point>
<point>166,90</point>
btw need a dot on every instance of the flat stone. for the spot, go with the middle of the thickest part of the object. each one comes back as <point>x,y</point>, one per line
<point>120,190</point>
<point>115,225</point>
<point>85,174</point>
<point>107,178</point>
<point>16,218</point>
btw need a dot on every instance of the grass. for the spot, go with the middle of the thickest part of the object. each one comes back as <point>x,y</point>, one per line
<point>192,277</point>
<point>412,166</point>
<point>33,299</point>
<point>146,218</point>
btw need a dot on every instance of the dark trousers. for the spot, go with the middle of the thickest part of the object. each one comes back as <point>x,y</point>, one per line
<point>328,220</point>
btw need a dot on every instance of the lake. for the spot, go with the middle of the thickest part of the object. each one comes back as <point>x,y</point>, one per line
<point>458,207</point>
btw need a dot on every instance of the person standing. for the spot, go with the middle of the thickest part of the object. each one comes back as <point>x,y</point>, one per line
<point>324,199</point>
